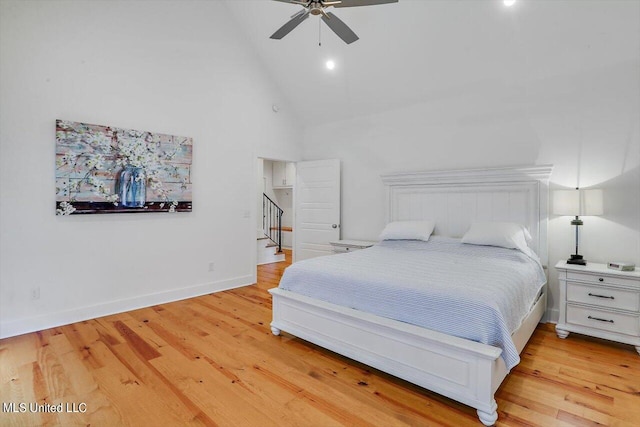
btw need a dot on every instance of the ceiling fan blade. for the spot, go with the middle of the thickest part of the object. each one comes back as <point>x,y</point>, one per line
<point>340,28</point>
<point>301,3</point>
<point>352,3</point>
<point>291,24</point>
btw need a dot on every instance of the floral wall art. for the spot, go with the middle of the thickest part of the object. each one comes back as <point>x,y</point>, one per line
<point>104,169</point>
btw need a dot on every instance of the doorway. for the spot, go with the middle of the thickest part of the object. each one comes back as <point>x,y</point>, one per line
<point>275,210</point>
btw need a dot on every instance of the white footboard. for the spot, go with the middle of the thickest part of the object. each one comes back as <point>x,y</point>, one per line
<point>463,370</point>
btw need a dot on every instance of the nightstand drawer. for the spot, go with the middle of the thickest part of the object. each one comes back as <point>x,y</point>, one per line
<point>602,279</point>
<point>607,321</point>
<point>604,297</point>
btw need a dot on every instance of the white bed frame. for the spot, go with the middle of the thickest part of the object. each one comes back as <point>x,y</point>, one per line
<point>463,370</point>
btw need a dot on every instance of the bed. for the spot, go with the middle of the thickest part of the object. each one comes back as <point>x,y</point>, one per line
<point>455,366</point>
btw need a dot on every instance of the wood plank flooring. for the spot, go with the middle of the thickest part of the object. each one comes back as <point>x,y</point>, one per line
<point>212,361</point>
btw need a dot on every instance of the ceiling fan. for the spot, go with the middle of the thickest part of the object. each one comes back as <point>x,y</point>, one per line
<point>318,8</point>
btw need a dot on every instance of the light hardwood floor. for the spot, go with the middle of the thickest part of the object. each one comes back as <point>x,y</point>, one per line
<point>212,361</point>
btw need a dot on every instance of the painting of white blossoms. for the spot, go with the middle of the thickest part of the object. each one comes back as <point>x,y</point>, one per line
<point>104,169</point>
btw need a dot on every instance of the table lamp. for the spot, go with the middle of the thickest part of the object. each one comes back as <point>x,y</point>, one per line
<point>577,203</point>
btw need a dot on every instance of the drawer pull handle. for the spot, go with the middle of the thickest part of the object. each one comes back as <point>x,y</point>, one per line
<point>600,279</point>
<point>599,319</point>
<point>600,296</point>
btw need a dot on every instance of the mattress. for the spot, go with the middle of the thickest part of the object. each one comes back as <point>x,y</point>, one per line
<point>479,293</point>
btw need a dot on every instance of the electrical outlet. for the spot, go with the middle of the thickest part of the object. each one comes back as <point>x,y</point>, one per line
<point>35,293</point>
<point>212,266</point>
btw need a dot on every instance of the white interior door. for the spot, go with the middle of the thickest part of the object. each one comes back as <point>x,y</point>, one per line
<point>317,208</point>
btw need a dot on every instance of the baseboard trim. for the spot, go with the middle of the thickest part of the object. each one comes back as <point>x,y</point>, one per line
<point>52,320</point>
<point>552,315</point>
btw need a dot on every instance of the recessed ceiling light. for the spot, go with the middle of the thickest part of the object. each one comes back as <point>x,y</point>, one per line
<point>509,3</point>
<point>330,64</point>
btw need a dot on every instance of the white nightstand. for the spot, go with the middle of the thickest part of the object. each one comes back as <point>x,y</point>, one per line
<point>342,246</point>
<point>600,302</point>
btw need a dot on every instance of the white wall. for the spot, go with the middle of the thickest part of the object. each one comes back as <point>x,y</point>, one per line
<point>284,199</point>
<point>586,124</point>
<point>172,67</point>
<point>260,188</point>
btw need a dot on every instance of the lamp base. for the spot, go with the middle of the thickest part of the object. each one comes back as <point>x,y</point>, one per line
<point>577,260</point>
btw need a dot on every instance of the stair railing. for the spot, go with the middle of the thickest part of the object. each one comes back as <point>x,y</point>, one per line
<point>272,221</point>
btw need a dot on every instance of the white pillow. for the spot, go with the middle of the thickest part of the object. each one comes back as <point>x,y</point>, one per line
<point>504,234</point>
<point>408,230</point>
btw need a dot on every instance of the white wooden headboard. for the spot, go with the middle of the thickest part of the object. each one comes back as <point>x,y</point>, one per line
<point>456,198</point>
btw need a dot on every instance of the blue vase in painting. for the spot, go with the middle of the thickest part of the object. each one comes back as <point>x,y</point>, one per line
<point>132,187</point>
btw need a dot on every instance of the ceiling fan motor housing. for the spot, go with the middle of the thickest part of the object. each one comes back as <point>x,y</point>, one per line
<point>315,8</point>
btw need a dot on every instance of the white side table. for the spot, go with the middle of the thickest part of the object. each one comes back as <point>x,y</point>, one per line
<point>600,302</point>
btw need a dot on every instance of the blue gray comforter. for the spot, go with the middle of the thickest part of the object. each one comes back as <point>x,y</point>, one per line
<point>480,293</point>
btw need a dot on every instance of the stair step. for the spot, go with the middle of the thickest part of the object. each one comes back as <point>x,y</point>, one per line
<point>262,238</point>
<point>283,228</point>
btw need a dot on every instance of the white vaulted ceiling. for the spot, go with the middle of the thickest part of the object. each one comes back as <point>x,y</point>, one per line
<point>418,51</point>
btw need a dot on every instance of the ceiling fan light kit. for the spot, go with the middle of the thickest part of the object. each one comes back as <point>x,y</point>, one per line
<point>316,8</point>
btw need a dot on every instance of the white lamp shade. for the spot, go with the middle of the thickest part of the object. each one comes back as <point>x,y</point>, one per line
<point>566,202</point>
<point>578,202</point>
<point>592,202</point>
